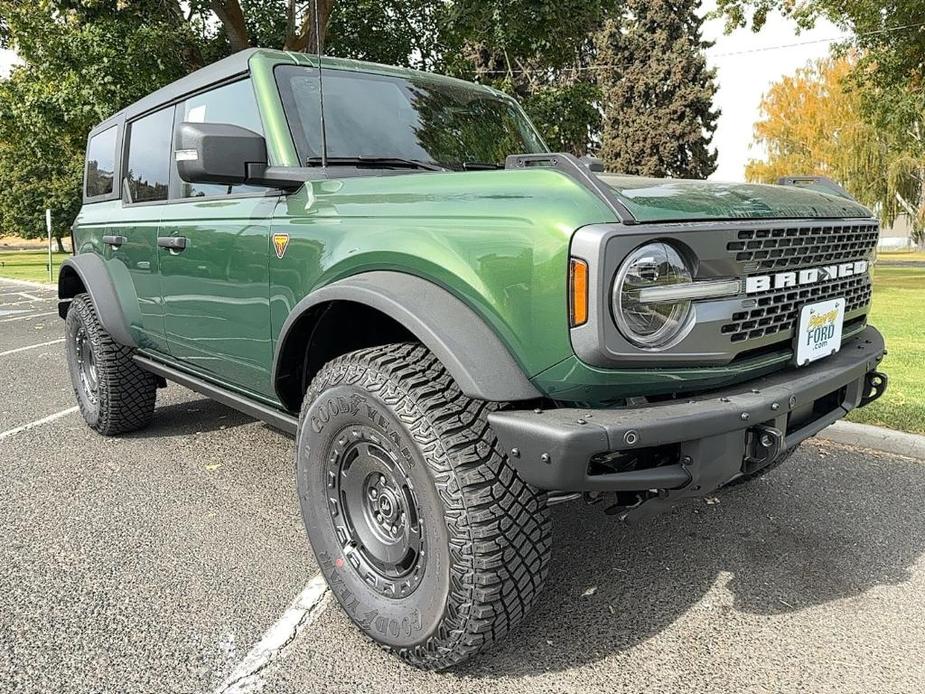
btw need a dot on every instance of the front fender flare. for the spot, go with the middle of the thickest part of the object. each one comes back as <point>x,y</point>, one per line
<point>471,352</point>
<point>89,270</point>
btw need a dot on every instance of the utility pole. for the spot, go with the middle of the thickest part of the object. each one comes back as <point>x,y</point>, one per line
<point>51,278</point>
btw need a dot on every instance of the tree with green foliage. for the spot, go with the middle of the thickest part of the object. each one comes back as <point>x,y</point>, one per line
<point>79,65</point>
<point>85,59</point>
<point>657,91</point>
<point>889,39</point>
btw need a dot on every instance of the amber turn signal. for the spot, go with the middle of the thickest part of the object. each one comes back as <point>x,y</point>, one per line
<point>577,292</point>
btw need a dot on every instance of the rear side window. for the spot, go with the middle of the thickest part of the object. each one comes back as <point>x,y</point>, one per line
<point>234,104</point>
<point>101,163</point>
<point>148,173</point>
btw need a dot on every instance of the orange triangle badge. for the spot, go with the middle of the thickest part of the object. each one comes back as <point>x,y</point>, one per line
<point>280,243</point>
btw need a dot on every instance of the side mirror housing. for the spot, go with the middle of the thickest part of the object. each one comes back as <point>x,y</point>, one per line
<point>229,155</point>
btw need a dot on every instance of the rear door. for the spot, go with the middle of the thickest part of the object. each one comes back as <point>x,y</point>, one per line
<point>214,259</point>
<point>130,240</point>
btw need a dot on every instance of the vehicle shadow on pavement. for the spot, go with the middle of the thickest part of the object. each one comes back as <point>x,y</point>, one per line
<point>190,417</point>
<point>831,524</point>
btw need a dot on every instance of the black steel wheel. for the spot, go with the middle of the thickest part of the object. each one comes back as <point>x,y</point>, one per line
<point>374,511</point>
<point>431,542</point>
<point>114,394</point>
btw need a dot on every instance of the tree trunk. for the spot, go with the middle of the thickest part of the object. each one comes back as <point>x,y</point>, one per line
<point>60,245</point>
<point>232,18</point>
<point>305,40</point>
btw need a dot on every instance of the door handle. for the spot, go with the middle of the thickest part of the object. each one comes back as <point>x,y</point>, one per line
<point>114,241</point>
<point>174,243</point>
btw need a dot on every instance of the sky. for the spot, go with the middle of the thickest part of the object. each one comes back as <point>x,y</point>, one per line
<point>747,64</point>
<point>746,75</point>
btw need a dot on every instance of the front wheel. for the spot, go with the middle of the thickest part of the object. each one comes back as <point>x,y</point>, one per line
<point>429,539</point>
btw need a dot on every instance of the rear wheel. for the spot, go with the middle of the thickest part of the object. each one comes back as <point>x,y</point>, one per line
<point>429,539</point>
<point>115,395</point>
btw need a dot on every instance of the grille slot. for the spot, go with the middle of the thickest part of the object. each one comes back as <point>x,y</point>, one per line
<point>784,248</point>
<point>777,310</point>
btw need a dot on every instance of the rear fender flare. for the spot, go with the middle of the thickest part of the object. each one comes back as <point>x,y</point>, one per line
<point>88,272</point>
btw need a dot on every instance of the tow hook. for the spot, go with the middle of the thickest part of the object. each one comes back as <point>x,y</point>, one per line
<point>763,444</point>
<point>875,384</point>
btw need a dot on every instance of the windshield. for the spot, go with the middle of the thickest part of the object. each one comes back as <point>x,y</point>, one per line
<point>417,119</point>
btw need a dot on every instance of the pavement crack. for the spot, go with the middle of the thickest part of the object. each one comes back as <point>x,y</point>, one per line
<point>247,676</point>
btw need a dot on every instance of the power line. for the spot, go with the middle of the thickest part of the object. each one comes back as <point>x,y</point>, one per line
<point>797,44</point>
<point>762,49</point>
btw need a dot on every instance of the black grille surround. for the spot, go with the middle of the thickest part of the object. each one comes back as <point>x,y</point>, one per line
<point>802,246</point>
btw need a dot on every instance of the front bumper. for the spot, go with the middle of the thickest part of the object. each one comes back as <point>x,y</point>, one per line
<point>692,446</point>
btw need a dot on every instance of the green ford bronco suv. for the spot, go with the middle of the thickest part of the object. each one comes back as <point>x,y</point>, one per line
<point>459,327</point>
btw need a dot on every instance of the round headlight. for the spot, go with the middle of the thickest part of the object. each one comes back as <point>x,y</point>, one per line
<point>647,323</point>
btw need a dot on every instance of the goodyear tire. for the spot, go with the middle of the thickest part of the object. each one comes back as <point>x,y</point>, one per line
<point>431,542</point>
<point>114,394</point>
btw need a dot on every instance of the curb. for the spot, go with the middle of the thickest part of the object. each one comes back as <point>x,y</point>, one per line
<point>876,438</point>
<point>27,283</point>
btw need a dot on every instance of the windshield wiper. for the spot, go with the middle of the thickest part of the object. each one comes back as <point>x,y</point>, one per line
<point>387,162</point>
<point>479,165</point>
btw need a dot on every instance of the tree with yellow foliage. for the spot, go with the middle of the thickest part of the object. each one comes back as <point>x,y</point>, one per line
<point>814,124</point>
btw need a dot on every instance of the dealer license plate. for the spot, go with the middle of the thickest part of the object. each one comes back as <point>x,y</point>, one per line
<point>819,330</point>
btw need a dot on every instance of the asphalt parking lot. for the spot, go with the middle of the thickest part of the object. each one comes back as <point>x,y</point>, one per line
<point>169,561</point>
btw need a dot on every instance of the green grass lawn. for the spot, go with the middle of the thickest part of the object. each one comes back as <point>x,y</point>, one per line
<point>899,313</point>
<point>29,265</point>
<point>902,256</point>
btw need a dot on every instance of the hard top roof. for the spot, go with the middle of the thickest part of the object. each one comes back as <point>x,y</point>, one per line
<point>238,64</point>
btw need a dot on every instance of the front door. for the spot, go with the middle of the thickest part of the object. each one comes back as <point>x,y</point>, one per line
<point>214,253</point>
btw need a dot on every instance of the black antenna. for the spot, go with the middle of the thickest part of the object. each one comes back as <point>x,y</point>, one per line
<point>324,139</point>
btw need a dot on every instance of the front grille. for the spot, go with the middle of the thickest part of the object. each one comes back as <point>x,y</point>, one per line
<point>787,247</point>
<point>777,310</point>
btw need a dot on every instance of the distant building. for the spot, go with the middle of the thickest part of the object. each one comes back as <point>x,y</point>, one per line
<point>897,236</point>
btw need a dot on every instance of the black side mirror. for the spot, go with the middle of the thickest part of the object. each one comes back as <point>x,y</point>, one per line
<point>217,152</point>
<point>230,155</point>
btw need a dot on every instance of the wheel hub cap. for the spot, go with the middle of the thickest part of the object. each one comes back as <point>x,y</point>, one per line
<point>86,364</point>
<point>374,510</point>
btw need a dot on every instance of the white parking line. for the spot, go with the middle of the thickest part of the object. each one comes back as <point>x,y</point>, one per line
<point>23,349</point>
<point>30,300</point>
<point>38,422</point>
<point>246,676</point>
<point>34,315</point>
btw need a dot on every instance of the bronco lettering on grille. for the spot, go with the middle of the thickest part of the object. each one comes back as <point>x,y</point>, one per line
<point>782,280</point>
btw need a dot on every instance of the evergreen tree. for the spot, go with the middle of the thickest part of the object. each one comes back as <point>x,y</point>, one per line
<point>657,92</point>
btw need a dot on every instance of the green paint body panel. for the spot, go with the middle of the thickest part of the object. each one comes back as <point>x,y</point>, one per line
<point>497,240</point>
<point>680,200</point>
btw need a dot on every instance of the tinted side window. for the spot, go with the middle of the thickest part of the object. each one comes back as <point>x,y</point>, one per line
<point>234,104</point>
<point>149,149</point>
<point>101,163</point>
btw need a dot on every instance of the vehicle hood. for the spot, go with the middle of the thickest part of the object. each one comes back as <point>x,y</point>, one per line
<point>678,200</point>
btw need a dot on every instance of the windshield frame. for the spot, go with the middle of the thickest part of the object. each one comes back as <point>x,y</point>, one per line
<point>305,152</point>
